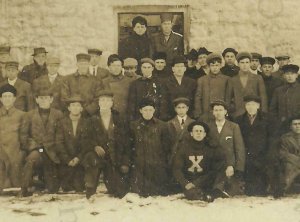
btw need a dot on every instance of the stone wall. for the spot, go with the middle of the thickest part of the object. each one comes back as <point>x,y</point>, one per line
<point>71,26</point>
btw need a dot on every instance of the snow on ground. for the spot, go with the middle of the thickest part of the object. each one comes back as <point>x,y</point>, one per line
<point>75,208</point>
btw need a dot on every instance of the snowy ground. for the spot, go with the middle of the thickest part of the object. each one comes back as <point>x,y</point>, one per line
<point>75,208</point>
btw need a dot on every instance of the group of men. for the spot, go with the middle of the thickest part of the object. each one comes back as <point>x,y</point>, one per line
<point>153,125</point>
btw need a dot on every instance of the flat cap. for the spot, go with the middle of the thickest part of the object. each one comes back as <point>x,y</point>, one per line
<point>179,100</point>
<point>229,50</point>
<point>83,57</point>
<point>147,60</point>
<point>8,88</point>
<point>107,93</point>
<point>53,60</point>
<point>130,62</point>
<point>193,55</point>
<point>282,56</point>
<point>43,92</point>
<point>12,64</point>
<point>4,49</point>
<point>39,50</point>
<point>146,102</point>
<point>267,60</point>
<point>198,123</point>
<point>159,55</point>
<point>178,59</point>
<point>243,55</point>
<point>218,102</point>
<point>166,17</point>
<point>74,99</point>
<point>256,55</point>
<point>95,52</point>
<point>213,56</point>
<point>290,68</point>
<point>252,98</point>
<point>203,50</point>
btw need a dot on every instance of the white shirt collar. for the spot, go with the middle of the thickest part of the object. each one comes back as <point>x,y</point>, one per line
<point>218,123</point>
<point>53,76</point>
<point>254,71</point>
<point>12,82</point>
<point>91,69</point>
<point>182,118</point>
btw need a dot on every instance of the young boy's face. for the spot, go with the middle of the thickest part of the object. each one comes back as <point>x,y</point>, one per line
<point>181,109</point>
<point>166,27</point>
<point>252,107</point>
<point>202,59</point>
<point>219,112</point>
<point>179,69</point>
<point>75,108</point>
<point>295,126</point>
<point>83,66</point>
<point>11,73</point>
<point>198,133</point>
<point>44,102</point>
<point>147,70</point>
<point>215,67</point>
<point>105,102</point>
<point>8,99</point>
<point>52,68</point>
<point>229,58</point>
<point>254,64</point>
<point>115,68</point>
<point>244,64</point>
<point>139,29</point>
<point>147,112</point>
<point>160,64</point>
<point>95,59</point>
<point>290,77</point>
<point>130,69</point>
<point>40,58</point>
<point>267,69</point>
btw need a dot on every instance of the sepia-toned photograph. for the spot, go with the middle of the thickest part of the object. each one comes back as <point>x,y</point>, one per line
<point>149,110</point>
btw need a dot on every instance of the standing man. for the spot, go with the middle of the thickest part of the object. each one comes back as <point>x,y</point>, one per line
<point>83,84</point>
<point>243,84</point>
<point>4,57</point>
<point>13,132</point>
<point>202,66</point>
<point>210,87</point>
<point>24,99</point>
<point>147,87</point>
<point>167,40</point>
<point>177,85</point>
<point>257,130</point>
<point>285,102</point>
<point>52,81</point>
<point>95,69</point>
<point>118,84</point>
<point>282,59</point>
<point>255,63</point>
<point>138,44</point>
<point>150,151</point>
<point>271,82</point>
<point>37,68</point>
<point>230,69</point>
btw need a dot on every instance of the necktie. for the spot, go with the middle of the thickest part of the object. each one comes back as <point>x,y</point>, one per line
<point>182,123</point>
<point>94,72</point>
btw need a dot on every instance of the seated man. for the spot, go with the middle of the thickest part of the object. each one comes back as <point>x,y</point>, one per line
<point>44,138</point>
<point>80,165</point>
<point>199,167</point>
<point>289,157</point>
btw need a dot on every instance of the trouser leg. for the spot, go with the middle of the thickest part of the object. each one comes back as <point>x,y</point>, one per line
<point>50,170</point>
<point>33,160</point>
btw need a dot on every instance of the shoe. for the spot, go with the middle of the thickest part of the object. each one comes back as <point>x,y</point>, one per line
<point>25,193</point>
<point>220,194</point>
<point>89,192</point>
<point>208,198</point>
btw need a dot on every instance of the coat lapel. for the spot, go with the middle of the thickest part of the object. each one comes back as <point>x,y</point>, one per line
<point>39,122</point>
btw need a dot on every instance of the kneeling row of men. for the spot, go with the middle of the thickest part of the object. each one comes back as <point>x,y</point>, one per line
<point>208,160</point>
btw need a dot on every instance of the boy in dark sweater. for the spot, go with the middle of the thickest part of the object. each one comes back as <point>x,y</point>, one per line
<point>199,166</point>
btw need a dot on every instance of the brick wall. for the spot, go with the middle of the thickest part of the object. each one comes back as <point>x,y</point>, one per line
<point>71,26</point>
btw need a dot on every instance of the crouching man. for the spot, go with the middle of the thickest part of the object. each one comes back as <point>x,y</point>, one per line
<point>110,143</point>
<point>80,167</point>
<point>44,137</point>
<point>199,167</point>
<point>289,158</point>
